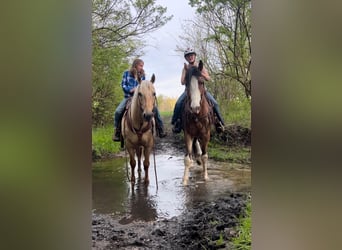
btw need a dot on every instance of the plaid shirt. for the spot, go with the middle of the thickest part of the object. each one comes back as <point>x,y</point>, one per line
<point>128,83</point>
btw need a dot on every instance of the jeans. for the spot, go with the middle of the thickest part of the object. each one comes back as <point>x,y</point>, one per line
<point>119,112</point>
<point>158,118</point>
<point>121,109</point>
<point>216,107</point>
<point>178,108</point>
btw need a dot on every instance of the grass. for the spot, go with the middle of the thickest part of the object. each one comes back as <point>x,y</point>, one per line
<point>239,112</point>
<point>102,144</point>
<point>219,152</point>
<point>243,239</point>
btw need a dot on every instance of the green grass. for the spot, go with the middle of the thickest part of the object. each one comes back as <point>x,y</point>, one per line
<point>165,113</point>
<point>243,239</point>
<point>102,144</point>
<point>219,152</point>
<point>238,113</point>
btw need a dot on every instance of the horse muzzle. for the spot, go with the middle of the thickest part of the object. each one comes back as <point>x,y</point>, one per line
<point>195,109</point>
<point>148,116</point>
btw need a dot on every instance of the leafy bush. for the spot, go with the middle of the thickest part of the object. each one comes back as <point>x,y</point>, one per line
<point>102,144</point>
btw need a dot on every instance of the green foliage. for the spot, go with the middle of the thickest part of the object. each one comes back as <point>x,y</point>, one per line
<point>108,65</point>
<point>224,42</point>
<point>102,144</point>
<point>243,240</point>
<point>238,112</point>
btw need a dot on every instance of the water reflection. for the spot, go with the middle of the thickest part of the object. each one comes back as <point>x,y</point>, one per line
<point>113,194</point>
<point>109,186</point>
<point>141,205</point>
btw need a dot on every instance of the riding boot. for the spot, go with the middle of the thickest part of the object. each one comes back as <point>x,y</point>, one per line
<point>161,132</point>
<point>117,133</point>
<point>178,127</point>
<point>219,126</point>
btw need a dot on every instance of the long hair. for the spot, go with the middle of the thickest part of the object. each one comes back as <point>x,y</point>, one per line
<point>137,75</point>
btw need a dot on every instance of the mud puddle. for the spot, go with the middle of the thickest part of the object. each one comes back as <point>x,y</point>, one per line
<point>113,194</point>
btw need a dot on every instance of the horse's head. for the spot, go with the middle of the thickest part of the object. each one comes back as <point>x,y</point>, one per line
<point>147,98</point>
<point>194,86</point>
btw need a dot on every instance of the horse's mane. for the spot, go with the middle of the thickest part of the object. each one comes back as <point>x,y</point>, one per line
<point>192,71</point>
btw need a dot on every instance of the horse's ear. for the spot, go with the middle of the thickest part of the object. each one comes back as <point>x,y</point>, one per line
<point>153,78</point>
<point>200,65</point>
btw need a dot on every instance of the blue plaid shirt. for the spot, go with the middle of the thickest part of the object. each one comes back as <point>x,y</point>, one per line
<point>128,83</point>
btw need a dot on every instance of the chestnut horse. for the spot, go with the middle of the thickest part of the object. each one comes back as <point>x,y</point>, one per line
<point>138,126</point>
<point>197,120</point>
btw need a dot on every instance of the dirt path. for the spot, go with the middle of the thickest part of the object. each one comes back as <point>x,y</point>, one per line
<point>204,225</point>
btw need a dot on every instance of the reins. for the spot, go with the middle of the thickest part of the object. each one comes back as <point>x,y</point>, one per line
<point>154,159</point>
<point>127,174</point>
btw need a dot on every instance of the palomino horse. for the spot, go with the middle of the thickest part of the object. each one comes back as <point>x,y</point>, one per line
<point>197,120</point>
<point>138,126</point>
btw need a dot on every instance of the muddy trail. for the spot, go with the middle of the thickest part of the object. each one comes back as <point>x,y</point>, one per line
<point>205,220</point>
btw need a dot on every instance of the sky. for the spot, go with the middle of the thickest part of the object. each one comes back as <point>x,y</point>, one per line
<point>160,56</point>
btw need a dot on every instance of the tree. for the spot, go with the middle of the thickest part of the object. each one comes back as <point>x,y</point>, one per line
<point>118,27</point>
<point>225,40</point>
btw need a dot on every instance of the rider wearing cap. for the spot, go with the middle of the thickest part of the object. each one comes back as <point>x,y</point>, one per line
<point>190,57</point>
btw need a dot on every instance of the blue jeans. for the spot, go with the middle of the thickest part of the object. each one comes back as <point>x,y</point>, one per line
<point>180,102</point>
<point>158,118</point>
<point>121,109</point>
<point>119,112</point>
<point>178,108</point>
<point>215,107</point>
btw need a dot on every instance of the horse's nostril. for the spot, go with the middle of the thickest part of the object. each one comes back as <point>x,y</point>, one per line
<point>147,116</point>
<point>195,110</point>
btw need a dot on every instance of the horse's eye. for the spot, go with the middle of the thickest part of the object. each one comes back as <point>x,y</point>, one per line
<point>154,93</point>
<point>139,94</point>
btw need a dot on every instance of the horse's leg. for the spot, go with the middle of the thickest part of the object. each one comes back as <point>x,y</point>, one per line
<point>132,162</point>
<point>187,159</point>
<point>204,157</point>
<point>198,152</point>
<point>139,152</point>
<point>147,152</point>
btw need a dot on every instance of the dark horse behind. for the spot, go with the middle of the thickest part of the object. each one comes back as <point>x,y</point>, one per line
<point>197,120</point>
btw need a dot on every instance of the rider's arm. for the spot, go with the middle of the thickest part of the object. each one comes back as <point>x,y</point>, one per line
<point>183,74</point>
<point>128,84</point>
<point>205,74</point>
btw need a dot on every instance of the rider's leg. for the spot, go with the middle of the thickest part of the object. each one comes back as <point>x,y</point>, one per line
<point>178,108</point>
<point>159,123</point>
<point>117,119</point>
<point>177,115</point>
<point>220,123</point>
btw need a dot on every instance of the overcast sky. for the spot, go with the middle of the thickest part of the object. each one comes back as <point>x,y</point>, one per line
<point>160,57</point>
